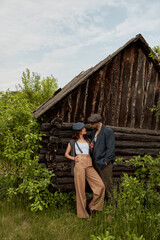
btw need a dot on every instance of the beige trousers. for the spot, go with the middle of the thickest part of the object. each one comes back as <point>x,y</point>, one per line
<point>83,171</point>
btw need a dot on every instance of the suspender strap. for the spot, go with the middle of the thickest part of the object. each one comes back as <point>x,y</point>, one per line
<point>79,147</point>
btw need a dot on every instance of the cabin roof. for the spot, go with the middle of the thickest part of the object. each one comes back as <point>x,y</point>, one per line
<point>79,79</point>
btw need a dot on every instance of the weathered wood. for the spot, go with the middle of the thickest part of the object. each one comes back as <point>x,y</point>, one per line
<point>68,126</point>
<point>137,151</point>
<point>64,187</point>
<point>127,86</point>
<point>45,126</point>
<point>77,103</point>
<point>45,133</point>
<point>61,158</point>
<point>121,88</point>
<point>65,180</point>
<point>41,157</point>
<point>136,144</point>
<point>136,137</point>
<point>43,151</point>
<point>55,139</point>
<point>57,122</point>
<point>50,156</point>
<point>64,167</point>
<point>63,174</point>
<point>45,140</point>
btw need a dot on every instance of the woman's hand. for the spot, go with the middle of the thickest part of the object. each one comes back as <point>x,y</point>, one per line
<point>76,159</point>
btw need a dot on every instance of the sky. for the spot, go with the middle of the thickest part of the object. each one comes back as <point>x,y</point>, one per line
<point>65,37</point>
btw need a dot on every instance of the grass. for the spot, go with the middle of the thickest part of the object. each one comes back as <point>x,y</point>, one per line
<point>133,215</point>
<point>19,223</point>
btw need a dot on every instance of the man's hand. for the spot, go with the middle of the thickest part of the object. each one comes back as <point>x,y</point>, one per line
<point>91,145</point>
<point>106,163</point>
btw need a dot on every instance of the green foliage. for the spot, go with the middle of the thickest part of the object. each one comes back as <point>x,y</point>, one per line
<point>156,109</point>
<point>64,199</point>
<point>119,160</point>
<point>147,167</point>
<point>36,90</point>
<point>5,184</point>
<point>19,144</point>
<point>19,141</point>
<point>118,221</point>
<point>155,55</point>
<point>132,192</point>
<point>105,236</point>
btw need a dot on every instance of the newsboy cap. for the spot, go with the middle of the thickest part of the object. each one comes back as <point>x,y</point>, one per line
<point>94,118</point>
<point>78,126</point>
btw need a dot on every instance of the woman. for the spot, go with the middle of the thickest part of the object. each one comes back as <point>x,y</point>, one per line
<point>78,150</point>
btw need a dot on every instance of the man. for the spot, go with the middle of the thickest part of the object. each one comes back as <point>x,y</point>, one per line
<point>103,144</point>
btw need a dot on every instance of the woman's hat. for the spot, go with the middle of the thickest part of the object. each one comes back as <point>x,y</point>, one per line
<point>78,126</point>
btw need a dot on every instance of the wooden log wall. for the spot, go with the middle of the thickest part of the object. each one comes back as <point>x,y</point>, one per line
<point>129,142</point>
<point>123,90</point>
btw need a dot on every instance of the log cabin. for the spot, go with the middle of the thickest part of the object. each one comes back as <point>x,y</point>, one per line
<point>122,88</point>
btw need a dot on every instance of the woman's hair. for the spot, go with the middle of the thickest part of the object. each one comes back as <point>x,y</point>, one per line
<point>76,135</point>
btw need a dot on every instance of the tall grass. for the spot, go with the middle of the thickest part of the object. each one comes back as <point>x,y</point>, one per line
<point>133,215</point>
<point>16,222</point>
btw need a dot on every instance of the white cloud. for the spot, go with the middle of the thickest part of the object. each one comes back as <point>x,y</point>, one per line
<point>50,36</point>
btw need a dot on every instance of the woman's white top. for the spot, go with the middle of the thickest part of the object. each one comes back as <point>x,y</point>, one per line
<point>83,146</point>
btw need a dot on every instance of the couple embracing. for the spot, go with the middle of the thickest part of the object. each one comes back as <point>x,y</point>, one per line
<point>92,160</point>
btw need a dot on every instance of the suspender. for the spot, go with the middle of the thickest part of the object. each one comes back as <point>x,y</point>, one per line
<point>79,147</point>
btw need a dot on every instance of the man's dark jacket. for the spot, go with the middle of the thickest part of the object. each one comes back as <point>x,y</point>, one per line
<point>104,147</point>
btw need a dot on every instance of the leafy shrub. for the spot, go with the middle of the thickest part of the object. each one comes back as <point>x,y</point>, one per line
<point>105,236</point>
<point>61,199</point>
<point>19,144</point>
<point>147,167</point>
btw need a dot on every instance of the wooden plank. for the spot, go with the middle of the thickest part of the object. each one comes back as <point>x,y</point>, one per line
<point>139,93</point>
<point>137,151</point>
<point>45,133</point>
<point>116,77</point>
<point>95,92</point>
<point>68,126</point>
<point>85,98</point>
<point>64,187</point>
<point>136,144</point>
<point>61,158</point>
<point>64,180</point>
<point>77,103</point>
<point>136,137</point>
<point>100,101</point>
<point>45,126</point>
<point>147,112</point>
<point>63,174</point>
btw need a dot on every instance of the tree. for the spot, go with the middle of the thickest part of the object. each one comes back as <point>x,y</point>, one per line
<point>155,55</point>
<point>19,141</point>
<point>36,90</point>
<point>19,144</point>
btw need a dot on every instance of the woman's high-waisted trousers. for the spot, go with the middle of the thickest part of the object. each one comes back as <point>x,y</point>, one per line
<point>83,171</point>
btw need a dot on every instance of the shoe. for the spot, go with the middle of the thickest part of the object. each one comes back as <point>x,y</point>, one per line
<point>91,211</point>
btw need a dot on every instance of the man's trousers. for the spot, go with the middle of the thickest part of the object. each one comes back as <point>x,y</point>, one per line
<point>106,175</point>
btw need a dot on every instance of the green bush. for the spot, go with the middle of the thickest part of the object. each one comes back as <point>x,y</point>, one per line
<point>135,211</point>
<point>19,144</point>
<point>61,199</point>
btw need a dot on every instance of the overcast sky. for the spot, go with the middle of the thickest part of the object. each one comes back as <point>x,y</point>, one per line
<point>64,37</point>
